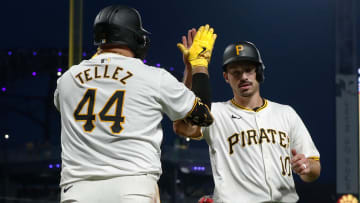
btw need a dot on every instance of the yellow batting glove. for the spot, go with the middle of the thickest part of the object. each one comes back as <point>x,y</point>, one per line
<point>199,54</point>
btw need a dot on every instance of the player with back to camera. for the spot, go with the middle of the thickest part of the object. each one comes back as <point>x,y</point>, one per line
<point>111,107</point>
<point>255,144</point>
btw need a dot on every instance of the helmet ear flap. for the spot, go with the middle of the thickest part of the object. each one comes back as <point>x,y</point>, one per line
<point>260,73</point>
<point>143,46</point>
<point>146,41</point>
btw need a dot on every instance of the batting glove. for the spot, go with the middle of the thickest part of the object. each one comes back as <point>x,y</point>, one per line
<point>199,54</point>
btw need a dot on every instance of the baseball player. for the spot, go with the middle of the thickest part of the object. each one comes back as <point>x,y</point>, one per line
<point>255,145</point>
<point>111,107</point>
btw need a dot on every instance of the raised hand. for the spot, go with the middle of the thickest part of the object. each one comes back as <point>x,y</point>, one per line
<point>187,42</point>
<point>199,54</point>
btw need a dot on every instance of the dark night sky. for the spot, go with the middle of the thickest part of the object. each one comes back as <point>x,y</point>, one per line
<point>296,40</point>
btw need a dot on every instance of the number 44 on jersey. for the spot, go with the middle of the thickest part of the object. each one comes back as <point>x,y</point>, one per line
<point>89,117</point>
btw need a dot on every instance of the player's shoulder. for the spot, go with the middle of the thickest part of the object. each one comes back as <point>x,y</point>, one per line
<point>157,75</point>
<point>220,105</point>
<point>279,106</point>
<point>138,65</point>
<point>75,69</point>
<point>67,73</point>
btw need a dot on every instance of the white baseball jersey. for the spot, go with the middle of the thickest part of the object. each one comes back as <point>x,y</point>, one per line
<point>250,152</point>
<point>111,107</point>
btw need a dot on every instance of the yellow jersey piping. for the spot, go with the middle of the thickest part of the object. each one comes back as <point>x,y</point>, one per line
<point>247,109</point>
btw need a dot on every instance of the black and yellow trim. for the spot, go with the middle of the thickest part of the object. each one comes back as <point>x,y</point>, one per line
<point>247,109</point>
<point>200,114</point>
<point>316,158</point>
<point>192,109</point>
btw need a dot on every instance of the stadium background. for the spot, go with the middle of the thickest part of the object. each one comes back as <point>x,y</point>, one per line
<point>296,40</point>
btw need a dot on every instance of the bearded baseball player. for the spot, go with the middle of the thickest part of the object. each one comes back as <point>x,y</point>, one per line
<point>255,145</point>
<point>111,107</point>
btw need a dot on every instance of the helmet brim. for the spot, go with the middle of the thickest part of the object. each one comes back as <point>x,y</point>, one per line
<point>238,59</point>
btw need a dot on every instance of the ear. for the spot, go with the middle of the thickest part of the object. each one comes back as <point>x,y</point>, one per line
<point>226,77</point>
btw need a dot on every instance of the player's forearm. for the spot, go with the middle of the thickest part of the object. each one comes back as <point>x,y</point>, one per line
<point>189,72</point>
<point>314,174</point>
<point>200,70</point>
<point>186,130</point>
<point>187,80</point>
<point>201,85</point>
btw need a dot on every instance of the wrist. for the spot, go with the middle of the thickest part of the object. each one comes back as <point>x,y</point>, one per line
<point>199,63</point>
<point>314,172</point>
<point>196,70</point>
<point>188,67</point>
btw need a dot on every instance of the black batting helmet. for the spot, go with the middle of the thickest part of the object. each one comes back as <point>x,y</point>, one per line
<point>244,51</point>
<point>121,25</point>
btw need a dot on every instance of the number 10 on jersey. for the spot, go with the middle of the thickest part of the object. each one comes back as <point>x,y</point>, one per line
<point>89,117</point>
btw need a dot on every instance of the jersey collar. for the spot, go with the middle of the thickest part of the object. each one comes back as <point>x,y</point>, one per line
<point>108,55</point>
<point>247,109</point>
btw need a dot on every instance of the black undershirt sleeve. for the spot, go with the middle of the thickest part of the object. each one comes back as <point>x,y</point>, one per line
<point>201,88</point>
